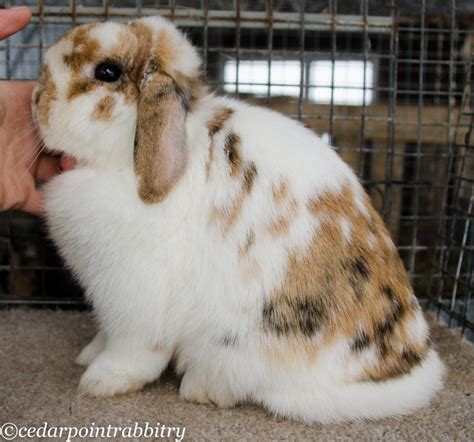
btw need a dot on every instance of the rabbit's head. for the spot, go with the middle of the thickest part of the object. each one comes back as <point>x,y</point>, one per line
<point>112,95</point>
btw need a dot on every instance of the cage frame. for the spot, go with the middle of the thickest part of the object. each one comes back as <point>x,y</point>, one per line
<point>393,25</point>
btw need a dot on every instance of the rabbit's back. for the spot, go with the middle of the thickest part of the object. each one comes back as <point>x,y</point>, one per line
<point>309,275</point>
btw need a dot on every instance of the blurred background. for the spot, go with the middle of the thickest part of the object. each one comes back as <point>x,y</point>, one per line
<point>388,82</point>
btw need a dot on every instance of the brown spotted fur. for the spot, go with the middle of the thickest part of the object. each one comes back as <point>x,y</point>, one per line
<point>361,293</point>
<point>45,95</point>
<point>171,92</point>
<point>229,215</point>
<point>135,56</point>
<point>280,192</point>
<point>287,211</point>
<point>215,125</point>
<point>249,242</point>
<point>84,48</point>
<point>156,139</point>
<point>278,227</point>
<point>104,108</point>
<point>232,152</point>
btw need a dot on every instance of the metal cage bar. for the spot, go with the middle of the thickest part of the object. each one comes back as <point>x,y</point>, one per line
<point>408,131</point>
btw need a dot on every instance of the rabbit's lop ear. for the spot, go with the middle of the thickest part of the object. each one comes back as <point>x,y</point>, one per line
<point>169,84</point>
<point>160,139</point>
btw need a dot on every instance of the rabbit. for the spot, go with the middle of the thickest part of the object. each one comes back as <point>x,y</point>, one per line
<point>222,237</point>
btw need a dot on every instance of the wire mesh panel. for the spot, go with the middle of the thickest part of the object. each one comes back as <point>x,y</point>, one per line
<point>386,81</point>
<point>454,264</point>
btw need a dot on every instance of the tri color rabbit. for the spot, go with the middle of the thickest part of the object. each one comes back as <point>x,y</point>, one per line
<point>223,236</point>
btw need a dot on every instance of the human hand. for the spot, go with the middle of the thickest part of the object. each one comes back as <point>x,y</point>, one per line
<point>22,161</point>
<point>13,20</point>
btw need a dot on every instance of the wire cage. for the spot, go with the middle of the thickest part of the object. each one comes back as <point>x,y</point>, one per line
<point>389,82</point>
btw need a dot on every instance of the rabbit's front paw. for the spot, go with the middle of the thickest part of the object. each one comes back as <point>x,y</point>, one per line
<point>100,380</point>
<point>192,391</point>
<point>91,351</point>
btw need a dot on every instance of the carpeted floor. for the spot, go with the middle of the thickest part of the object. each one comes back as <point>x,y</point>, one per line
<point>38,381</point>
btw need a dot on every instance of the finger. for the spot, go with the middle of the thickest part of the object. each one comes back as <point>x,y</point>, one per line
<point>67,162</point>
<point>48,167</point>
<point>13,20</point>
<point>34,203</point>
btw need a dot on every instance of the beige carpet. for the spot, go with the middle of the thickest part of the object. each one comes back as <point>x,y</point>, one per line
<point>38,382</point>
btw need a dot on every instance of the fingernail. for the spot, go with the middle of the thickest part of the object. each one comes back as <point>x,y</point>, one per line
<point>17,8</point>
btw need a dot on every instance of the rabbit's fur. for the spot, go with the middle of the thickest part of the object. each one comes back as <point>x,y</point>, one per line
<point>223,236</point>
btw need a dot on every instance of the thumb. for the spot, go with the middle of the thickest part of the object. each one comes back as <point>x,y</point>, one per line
<point>34,203</point>
<point>48,167</point>
<point>13,20</point>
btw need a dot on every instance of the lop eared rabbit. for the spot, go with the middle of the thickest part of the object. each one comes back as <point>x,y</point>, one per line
<point>222,236</point>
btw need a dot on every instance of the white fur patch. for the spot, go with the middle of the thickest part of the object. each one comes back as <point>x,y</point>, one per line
<point>360,204</point>
<point>186,59</point>
<point>107,34</point>
<point>371,240</point>
<point>389,241</point>
<point>346,229</point>
<point>417,328</point>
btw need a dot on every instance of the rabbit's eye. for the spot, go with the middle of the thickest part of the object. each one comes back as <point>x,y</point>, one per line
<point>108,71</point>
